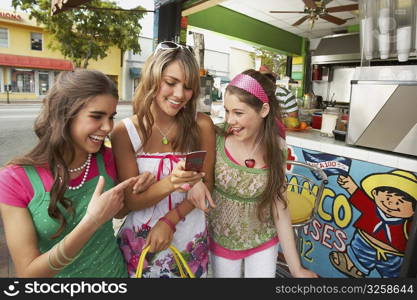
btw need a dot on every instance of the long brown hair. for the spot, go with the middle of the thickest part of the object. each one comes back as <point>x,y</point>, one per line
<point>71,91</point>
<point>269,136</point>
<point>188,137</point>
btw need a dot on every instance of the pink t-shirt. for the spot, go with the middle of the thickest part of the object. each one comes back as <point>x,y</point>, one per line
<point>238,254</point>
<point>16,189</point>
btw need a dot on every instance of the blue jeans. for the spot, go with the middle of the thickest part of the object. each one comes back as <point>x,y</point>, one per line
<point>364,257</point>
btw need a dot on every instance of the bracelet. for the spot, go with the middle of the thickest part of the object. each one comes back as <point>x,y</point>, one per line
<point>50,265</point>
<point>169,223</point>
<point>61,251</point>
<point>180,217</point>
<point>57,256</point>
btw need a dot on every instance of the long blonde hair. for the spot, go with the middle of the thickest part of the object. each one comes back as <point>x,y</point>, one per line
<point>69,94</point>
<point>187,138</point>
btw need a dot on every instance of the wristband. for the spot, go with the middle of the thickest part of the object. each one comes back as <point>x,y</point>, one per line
<point>180,217</point>
<point>169,223</point>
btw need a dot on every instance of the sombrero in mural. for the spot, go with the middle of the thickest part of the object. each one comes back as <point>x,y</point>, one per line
<point>402,180</point>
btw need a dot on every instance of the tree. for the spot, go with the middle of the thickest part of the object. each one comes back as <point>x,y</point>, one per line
<point>81,34</point>
<point>274,61</point>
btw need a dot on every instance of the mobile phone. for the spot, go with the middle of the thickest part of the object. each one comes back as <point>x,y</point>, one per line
<point>194,161</point>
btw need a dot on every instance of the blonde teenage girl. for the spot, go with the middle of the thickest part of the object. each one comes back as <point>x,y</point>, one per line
<point>165,126</point>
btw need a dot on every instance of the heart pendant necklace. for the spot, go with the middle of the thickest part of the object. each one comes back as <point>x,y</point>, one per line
<point>250,162</point>
<point>165,140</point>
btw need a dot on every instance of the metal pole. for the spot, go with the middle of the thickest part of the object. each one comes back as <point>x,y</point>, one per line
<point>7,91</point>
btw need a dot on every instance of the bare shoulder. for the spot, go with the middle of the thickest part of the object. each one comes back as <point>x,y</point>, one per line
<point>118,128</point>
<point>119,137</point>
<point>204,122</point>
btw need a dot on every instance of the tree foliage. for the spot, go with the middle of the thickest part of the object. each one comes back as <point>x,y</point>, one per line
<point>82,34</point>
<point>274,61</point>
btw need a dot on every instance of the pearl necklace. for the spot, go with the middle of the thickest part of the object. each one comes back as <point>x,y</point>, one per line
<point>87,166</point>
<point>83,166</point>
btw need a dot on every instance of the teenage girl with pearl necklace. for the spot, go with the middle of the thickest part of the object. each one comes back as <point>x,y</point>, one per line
<point>58,200</point>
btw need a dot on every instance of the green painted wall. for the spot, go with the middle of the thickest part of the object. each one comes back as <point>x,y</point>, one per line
<point>233,24</point>
<point>353,28</point>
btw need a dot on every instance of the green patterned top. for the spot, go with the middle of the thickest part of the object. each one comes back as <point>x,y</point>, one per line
<point>100,257</point>
<point>234,224</point>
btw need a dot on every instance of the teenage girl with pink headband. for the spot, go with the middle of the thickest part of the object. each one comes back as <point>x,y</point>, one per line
<point>251,214</point>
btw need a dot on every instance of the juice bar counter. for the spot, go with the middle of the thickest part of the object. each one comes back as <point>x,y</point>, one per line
<point>366,210</point>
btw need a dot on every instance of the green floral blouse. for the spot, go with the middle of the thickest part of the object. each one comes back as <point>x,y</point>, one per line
<point>234,224</point>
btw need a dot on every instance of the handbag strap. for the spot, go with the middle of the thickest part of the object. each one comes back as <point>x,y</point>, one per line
<point>179,260</point>
<point>183,262</point>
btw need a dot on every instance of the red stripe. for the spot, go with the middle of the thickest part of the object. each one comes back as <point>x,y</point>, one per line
<point>35,62</point>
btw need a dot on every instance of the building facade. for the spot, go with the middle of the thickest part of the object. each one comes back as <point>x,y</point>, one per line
<point>28,67</point>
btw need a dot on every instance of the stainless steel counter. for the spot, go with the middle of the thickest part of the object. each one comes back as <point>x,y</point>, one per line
<point>311,139</point>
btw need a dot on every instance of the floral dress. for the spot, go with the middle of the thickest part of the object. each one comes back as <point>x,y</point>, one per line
<point>233,223</point>
<point>190,237</point>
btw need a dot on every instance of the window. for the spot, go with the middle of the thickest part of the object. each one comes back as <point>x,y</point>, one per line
<point>23,81</point>
<point>43,83</point>
<point>4,37</point>
<point>36,41</point>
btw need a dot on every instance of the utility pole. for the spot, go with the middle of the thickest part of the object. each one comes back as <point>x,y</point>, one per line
<point>7,88</point>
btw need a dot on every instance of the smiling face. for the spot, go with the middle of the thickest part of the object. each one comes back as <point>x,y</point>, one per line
<point>393,204</point>
<point>243,120</point>
<point>92,124</point>
<point>174,93</point>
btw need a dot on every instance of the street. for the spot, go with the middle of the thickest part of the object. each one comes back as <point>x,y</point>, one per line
<point>17,138</point>
<point>16,127</point>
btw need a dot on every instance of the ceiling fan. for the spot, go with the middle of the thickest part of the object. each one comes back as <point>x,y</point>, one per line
<point>317,9</point>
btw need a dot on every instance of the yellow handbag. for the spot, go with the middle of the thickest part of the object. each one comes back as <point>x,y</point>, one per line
<point>179,260</point>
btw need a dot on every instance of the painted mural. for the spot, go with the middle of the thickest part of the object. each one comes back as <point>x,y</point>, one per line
<point>364,217</point>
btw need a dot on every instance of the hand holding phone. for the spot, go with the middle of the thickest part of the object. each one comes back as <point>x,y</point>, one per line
<point>194,161</point>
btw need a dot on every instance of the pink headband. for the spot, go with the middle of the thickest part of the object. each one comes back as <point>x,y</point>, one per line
<point>249,84</point>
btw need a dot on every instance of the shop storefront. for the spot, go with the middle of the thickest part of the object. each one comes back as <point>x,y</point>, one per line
<point>32,81</point>
<point>29,77</point>
<point>28,68</point>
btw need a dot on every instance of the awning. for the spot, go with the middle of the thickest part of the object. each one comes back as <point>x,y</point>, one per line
<point>134,72</point>
<point>35,62</point>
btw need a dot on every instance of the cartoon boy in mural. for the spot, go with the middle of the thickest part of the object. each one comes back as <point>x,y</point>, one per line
<point>387,202</point>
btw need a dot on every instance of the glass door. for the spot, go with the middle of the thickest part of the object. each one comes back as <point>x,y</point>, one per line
<point>43,83</point>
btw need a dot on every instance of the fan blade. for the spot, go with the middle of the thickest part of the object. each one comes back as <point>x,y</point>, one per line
<point>283,12</point>
<point>300,21</point>
<point>342,8</point>
<point>310,3</point>
<point>332,19</point>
